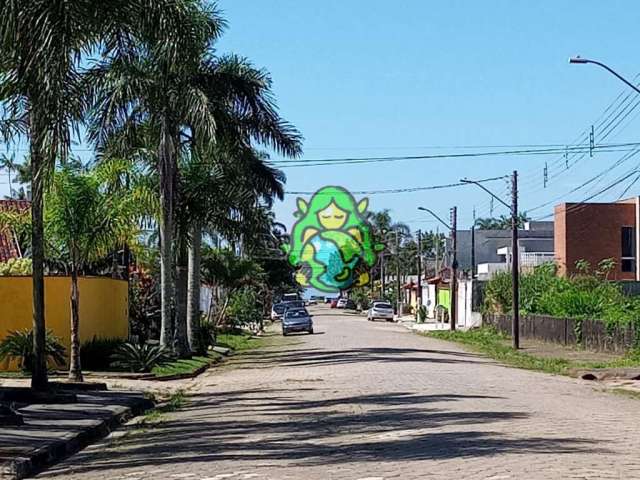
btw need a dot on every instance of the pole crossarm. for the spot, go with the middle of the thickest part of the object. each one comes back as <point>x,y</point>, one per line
<point>474,182</point>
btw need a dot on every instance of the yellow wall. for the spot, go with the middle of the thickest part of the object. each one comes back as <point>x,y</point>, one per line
<point>103,307</point>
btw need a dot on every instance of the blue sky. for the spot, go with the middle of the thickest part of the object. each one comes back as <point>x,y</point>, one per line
<point>367,77</point>
<point>372,78</point>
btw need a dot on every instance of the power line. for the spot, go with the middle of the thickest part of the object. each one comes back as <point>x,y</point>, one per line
<point>400,190</point>
<point>361,160</point>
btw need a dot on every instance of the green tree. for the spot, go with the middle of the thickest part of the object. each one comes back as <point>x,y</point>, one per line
<point>84,221</point>
<point>501,223</point>
<point>43,44</point>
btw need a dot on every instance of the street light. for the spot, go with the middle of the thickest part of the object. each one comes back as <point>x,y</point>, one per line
<point>581,61</point>
<point>515,327</point>
<point>454,261</point>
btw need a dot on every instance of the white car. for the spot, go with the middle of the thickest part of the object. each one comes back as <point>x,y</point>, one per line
<point>381,310</point>
<point>342,303</point>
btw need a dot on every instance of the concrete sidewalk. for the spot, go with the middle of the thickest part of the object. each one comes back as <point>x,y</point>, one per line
<point>52,432</point>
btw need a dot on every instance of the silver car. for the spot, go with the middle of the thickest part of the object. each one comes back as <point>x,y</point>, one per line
<point>381,310</point>
<point>296,320</point>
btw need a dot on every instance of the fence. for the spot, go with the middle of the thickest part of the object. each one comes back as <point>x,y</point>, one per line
<point>592,334</point>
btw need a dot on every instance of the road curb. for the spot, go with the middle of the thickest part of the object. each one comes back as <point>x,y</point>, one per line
<point>40,458</point>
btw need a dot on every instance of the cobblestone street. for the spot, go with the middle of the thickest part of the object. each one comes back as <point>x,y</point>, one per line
<point>363,400</point>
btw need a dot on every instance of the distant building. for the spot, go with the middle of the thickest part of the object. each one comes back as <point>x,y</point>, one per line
<point>598,231</point>
<point>493,248</point>
<point>9,247</point>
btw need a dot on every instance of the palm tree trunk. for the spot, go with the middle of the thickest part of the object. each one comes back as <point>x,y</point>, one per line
<point>75,369</point>
<point>166,167</point>
<point>193,287</point>
<point>39,379</point>
<point>181,334</point>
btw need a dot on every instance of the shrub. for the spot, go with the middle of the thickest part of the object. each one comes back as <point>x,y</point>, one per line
<point>16,266</point>
<point>96,353</point>
<point>139,358</point>
<point>19,345</point>
<point>244,309</point>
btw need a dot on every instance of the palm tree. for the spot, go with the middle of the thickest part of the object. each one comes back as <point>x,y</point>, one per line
<point>9,164</point>
<point>84,221</point>
<point>208,98</point>
<point>42,45</point>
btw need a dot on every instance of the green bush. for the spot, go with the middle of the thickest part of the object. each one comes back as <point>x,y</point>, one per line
<point>582,296</point>
<point>16,266</point>
<point>244,309</point>
<point>96,353</point>
<point>19,345</point>
<point>139,358</point>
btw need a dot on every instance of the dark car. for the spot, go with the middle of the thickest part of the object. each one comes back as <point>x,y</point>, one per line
<point>293,304</point>
<point>296,320</point>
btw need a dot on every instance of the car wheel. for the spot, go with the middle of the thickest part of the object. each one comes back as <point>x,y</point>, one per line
<point>284,333</point>
<point>311,331</point>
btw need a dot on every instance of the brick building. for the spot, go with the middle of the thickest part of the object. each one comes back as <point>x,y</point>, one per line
<point>596,231</point>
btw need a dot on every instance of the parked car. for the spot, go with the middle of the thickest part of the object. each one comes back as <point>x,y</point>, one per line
<point>381,310</point>
<point>312,301</point>
<point>277,310</point>
<point>293,304</point>
<point>296,320</point>
<point>346,303</point>
<point>290,297</point>
<point>328,300</point>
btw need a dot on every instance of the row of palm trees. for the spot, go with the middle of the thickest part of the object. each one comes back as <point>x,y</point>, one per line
<point>140,80</point>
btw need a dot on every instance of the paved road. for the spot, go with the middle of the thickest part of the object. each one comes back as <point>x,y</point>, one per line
<point>362,400</point>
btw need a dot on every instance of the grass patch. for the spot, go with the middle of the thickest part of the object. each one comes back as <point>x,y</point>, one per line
<point>494,344</point>
<point>237,341</point>
<point>185,366</point>
<point>14,375</point>
<point>174,402</point>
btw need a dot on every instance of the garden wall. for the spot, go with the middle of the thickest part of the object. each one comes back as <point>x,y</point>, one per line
<point>563,331</point>
<point>104,308</point>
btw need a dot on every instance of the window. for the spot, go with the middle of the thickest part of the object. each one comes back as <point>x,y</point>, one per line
<point>628,257</point>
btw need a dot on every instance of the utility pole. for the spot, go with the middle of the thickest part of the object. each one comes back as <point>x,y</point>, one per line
<point>382,274</point>
<point>419,293</point>
<point>454,269</point>
<point>399,303</point>
<point>453,289</point>
<point>515,273</point>
<point>437,270</point>
<point>473,246</point>
<point>515,301</point>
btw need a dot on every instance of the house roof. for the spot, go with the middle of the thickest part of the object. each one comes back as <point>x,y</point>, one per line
<point>8,246</point>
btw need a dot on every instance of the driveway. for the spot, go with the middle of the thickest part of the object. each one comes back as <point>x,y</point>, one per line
<point>369,400</point>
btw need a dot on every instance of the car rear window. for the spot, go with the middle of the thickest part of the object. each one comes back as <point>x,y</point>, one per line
<point>381,305</point>
<point>297,313</point>
<point>278,308</point>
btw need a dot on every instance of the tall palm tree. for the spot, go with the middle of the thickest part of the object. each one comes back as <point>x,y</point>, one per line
<point>244,181</point>
<point>42,45</point>
<point>206,99</point>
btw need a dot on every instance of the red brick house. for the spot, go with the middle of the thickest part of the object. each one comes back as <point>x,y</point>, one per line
<point>9,247</point>
<point>596,231</point>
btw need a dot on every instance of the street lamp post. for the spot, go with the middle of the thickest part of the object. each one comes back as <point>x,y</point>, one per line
<point>581,61</point>
<point>515,276</point>
<point>454,262</point>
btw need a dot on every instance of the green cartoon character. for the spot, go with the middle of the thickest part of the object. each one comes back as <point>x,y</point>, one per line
<point>330,240</point>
